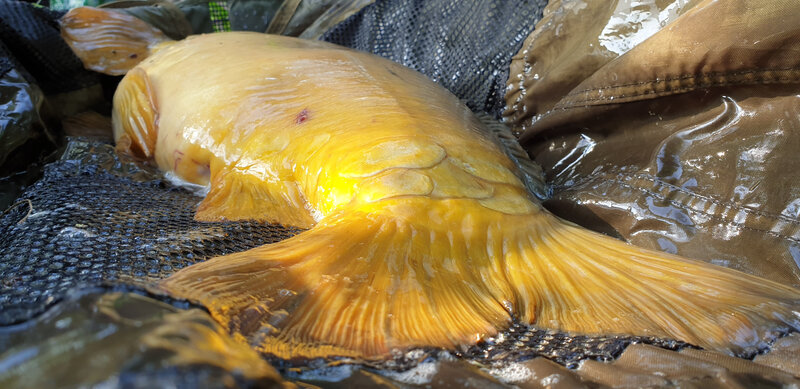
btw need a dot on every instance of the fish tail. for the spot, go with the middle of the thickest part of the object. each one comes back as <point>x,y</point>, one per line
<point>108,41</point>
<point>355,285</point>
<point>570,278</point>
<point>361,283</point>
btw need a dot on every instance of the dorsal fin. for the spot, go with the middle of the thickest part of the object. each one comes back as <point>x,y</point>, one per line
<point>107,41</point>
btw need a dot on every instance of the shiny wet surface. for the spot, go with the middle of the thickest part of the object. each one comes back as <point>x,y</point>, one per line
<point>103,338</point>
<point>626,371</point>
<point>84,336</point>
<point>97,339</point>
<point>683,142</point>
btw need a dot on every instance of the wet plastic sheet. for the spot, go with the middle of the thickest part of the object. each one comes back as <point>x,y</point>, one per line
<point>672,125</point>
<point>125,340</point>
<point>38,75</point>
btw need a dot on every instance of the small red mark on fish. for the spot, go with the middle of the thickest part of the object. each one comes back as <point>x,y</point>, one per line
<point>301,117</point>
<point>177,154</point>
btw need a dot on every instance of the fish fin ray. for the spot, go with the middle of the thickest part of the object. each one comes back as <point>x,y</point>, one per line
<point>577,280</point>
<point>107,41</point>
<point>236,195</point>
<point>355,285</point>
<point>135,115</point>
<point>366,281</point>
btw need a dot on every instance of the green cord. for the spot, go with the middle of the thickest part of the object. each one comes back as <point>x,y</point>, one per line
<point>218,11</point>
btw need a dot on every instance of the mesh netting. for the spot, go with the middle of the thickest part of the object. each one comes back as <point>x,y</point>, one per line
<point>465,46</point>
<point>31,34</point>
<point>94,220</point>
<point>522,342</point>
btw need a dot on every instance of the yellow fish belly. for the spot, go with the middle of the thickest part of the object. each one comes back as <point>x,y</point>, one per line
<point>420,232</point>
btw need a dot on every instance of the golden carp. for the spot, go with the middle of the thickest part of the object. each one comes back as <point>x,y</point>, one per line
<point>420,232</point>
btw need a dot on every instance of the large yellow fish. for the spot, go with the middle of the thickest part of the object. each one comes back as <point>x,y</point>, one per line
<point>420,232</point>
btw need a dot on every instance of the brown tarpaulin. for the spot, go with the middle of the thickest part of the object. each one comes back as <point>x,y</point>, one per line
<point>672,124</point>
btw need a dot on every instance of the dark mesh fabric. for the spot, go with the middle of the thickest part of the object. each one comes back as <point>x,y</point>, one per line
<point>32,36</point>
<point>465,46</point>
<point>522,342</point>
<point>95,220</point>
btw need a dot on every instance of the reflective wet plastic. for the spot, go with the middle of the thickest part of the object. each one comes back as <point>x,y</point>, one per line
<point>23,135</point>
<point>20,102</point>
<point>126,340</point>
<point>97,337</point>
<point>684,142</point>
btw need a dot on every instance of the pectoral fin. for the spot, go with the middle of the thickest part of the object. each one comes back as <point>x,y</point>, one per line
<point>235,194</point>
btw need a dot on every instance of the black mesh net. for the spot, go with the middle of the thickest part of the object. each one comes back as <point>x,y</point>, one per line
<point>33,39</point>
<point>465,46</point>
<point>94,220</point>
<point>522,342</point>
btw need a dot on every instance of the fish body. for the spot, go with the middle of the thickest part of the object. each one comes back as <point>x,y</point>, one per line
<point>315,126</point>
<point>420,231</point>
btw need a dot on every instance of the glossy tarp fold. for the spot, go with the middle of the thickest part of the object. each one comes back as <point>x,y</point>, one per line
<point>673,125</point>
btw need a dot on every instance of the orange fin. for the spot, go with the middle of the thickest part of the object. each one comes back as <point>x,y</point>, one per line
<point>237,195</point>
<point>107,41</point>
<point>355,285</point>
<point>135,102</point>
<point>417,272</point>
<point>570,278</point>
